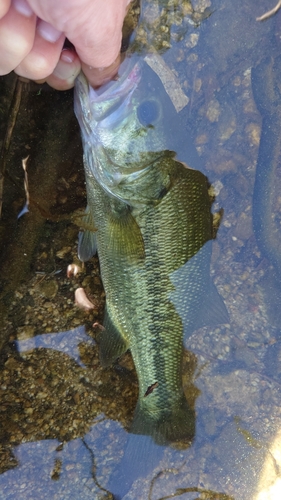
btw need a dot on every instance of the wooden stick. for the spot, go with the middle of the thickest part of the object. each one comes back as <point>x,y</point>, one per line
<point>13,112</point>
<point>270,12</point>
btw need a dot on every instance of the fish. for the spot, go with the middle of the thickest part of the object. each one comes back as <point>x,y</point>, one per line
<point>153,234</point>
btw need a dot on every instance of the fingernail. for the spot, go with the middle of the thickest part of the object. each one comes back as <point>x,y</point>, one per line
<point>48,32</point>
<point>67,56</point>
<point>23,8</point>
<point>64,71</point>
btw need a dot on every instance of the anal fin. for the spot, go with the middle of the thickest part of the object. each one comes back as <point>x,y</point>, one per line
<point>87,245</point>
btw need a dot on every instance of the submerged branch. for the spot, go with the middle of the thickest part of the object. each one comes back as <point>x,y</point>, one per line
<point>204,493</point>
<point>270,13</point>
<point>13,112</point>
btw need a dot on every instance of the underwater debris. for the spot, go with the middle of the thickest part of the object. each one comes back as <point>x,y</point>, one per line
<point>270,12</point>
<point>82,301</point>
<point>73,270</point>
<point>25,183</point>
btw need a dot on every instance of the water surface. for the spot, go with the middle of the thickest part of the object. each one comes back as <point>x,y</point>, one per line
<point>63,417</point>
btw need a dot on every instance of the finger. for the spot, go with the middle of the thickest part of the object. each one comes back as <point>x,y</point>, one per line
<point>99,76</point>
<point>44,55</point>
<point>17,32</point>
<point>4,7</point>
<point>103,39</point>
<point>93,26</point>
<point>67,69</point>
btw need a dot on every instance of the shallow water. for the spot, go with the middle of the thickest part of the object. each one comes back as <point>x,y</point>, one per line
<point>63,417</point>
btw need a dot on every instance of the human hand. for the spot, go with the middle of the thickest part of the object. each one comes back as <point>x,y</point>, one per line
<point>32,34</point>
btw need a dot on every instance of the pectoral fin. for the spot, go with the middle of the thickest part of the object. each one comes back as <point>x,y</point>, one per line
<point>124,235</point>
<point>112,344</point>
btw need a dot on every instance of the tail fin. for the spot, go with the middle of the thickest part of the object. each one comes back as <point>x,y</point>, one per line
<point>165,426</point>
<point>145,446</point>
<point>141,457</point>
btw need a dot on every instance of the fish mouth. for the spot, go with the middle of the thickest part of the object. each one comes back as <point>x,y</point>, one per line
<point>92,106</point>
<point>105,100</point>
<point>128,73</point>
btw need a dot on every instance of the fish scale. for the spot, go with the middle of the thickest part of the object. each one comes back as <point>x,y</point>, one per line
<point>172,232</point>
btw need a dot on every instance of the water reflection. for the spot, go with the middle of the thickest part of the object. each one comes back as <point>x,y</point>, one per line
<point>66,342</point>
<point>48,398</point>
<point>55,470</point>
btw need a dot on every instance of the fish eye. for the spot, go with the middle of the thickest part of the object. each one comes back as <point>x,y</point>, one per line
<point>148,112</point>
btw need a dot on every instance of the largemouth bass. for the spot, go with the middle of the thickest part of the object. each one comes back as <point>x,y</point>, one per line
<point>154,227</point>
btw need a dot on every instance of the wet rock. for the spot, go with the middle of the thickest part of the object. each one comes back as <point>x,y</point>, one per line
<point>227,123</point>
<point>210,422</point>
<point>48,288</point>
<point>253,130</point>
<point>63,252</point>
<point>244,227</point>
<point>272,360</point>
<point>246,355</point>
<point>241,184</point>
<point>233,437</point>
<point>25,332</point>
<point>213,111</point>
